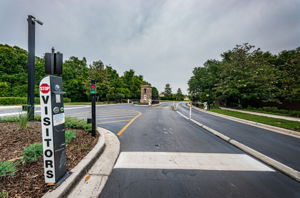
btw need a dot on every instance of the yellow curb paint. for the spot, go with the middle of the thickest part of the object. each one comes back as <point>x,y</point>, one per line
<point>129,123</point>
<point>112,121</point>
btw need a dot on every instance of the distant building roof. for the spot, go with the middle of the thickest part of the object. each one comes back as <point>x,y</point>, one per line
<point>145,86</point>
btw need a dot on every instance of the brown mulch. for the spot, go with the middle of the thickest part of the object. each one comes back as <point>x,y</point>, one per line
<point>28,180</point>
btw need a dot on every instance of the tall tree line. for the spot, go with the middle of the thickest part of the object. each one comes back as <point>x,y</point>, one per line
<point>247,76</point>
<point>76,77</point>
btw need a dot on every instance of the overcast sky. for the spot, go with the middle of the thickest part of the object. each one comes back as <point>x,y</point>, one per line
<point>161,40</point>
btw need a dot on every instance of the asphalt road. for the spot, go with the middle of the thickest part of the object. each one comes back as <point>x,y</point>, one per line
<point>283,148</point>
<point>165,155</point>
<point>112,117</point>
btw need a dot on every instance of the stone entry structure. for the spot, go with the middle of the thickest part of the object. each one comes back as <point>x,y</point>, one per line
<point>146,94</point>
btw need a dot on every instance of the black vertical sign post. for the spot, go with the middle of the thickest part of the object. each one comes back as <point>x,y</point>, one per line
<point>93,94</point>
<point>31,56</point>
<point>53,119</point>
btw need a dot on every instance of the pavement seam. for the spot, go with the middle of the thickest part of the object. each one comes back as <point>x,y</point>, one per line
<point>270,161</point>
<point>255,124</point>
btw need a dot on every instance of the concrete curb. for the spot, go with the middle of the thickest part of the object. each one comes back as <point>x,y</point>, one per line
<point>277,165</point>
<point>79,170</point>
<point>155,105</point>
<point>251,123</point>
<point>92,184</point>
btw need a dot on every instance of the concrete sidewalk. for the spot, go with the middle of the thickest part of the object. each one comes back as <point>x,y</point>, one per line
<point>264,114</point>
<point>91,173</point>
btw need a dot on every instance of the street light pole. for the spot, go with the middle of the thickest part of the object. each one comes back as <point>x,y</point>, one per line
<point>31,56</point>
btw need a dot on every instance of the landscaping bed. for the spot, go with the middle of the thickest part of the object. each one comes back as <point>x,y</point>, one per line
<point>27,179</point>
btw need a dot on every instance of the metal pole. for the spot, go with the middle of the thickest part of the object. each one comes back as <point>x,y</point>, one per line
<point>52,61</point>
<point>31,56</point>
<point>190,111</point>
<point>93,112</point>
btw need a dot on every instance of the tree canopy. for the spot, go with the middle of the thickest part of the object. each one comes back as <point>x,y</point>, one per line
<point>77,75</point>
<point>247,76</point>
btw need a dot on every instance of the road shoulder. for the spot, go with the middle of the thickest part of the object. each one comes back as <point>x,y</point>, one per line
<point>252,123</point>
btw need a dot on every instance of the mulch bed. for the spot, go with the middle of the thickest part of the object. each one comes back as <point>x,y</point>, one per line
<point>28,180</point>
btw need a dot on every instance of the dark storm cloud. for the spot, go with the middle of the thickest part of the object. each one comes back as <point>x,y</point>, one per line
<point>162,40</point>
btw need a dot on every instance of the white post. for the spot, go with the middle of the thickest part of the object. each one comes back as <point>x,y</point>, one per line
<point>190,111</point>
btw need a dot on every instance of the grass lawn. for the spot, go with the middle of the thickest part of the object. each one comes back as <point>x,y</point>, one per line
<point>287,124</point>
<point>273,113</point>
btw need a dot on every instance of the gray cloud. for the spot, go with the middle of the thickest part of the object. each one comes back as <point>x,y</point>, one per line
<point>161,40</point>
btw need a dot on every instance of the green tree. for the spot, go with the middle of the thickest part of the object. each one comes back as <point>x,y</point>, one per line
<point>13,71</point>
<point>133,83</point>
<point>246,77</point>
<point>155,93</point>
<point>179,95</point>
<point>76,79</point>
<point>168,90</point>
<point>288,65</point>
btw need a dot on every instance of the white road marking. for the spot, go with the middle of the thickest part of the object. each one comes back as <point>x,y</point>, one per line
<point>190,161</point>
<point>182,115</point>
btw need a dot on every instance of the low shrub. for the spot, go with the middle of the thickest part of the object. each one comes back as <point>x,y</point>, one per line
<point>75,123</point>
<point>155,101</point>
<point>7,168</point>
<point>17,118</point>
<point>21,100</point>
<point>9,119</point>
<point>69,135</point>
<point>23,121</point>
<point>32,152</point>
<point>3,194</point>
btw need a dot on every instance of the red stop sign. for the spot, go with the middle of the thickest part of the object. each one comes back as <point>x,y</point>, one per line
<point>44,88</point>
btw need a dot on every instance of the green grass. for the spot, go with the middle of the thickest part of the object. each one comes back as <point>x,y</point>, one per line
<point>18,118</point>
<point>275,111</point>
<point>287,124</point>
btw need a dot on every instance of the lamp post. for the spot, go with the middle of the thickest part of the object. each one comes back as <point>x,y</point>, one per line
<point>208,101</point>
<point>31,56</point>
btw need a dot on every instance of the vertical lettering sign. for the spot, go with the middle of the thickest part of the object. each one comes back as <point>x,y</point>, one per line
<point>47,130</point>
